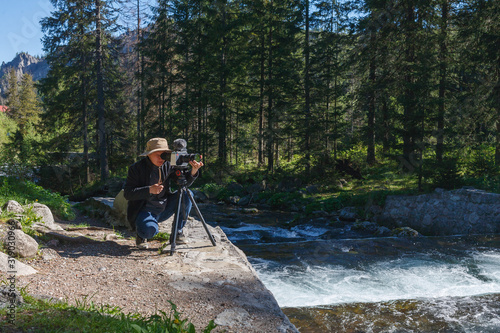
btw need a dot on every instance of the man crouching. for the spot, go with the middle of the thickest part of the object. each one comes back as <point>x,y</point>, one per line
<point>147,190</point>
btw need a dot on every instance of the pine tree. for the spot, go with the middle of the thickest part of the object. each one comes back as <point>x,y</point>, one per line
<point>83,63</point>
<point>12,91</point>
<point>28,110</point>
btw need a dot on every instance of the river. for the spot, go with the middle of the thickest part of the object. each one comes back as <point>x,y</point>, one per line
<point>334,279</point>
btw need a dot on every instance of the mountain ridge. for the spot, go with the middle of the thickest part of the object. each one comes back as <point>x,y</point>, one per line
<point>22,63</point>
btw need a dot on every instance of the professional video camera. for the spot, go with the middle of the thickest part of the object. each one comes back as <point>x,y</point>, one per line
<point>179,157</point>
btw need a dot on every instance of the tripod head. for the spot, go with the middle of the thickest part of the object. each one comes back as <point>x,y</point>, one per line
<point>180,178</point>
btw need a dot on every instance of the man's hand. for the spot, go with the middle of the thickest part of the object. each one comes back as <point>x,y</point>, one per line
<point>156,189</point>
<point>195,166</point>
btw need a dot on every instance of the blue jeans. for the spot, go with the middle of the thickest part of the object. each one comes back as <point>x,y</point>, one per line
<point>146,222</point>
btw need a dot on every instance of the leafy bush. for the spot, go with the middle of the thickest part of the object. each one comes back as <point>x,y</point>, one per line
<point>481,162</point>
<point>444,174</point>
<point>286,199</point>
<point>7,128</point>
<point>25,192</point>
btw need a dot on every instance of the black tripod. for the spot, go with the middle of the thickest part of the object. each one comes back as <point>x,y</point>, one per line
<point>182,182</point>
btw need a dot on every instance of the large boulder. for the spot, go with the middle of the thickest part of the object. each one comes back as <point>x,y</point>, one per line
<point>120,205</point>
<point>105,208</point>
<point>200,196</point>
<point>13,206</point>
<point>348,214</point>
<point>13,266</point>
<point>18,243</point>
<point>42,211</point>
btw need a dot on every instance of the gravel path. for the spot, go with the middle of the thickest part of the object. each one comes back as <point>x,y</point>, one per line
<point>205,282</point>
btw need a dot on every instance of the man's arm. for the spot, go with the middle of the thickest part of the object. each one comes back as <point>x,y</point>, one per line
<point>134,189</point>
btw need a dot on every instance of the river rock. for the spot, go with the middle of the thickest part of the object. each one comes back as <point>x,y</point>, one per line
<point>382,231</point>
<point>235,188</point>
<point>15,223</point>
<point>245,200</point>
<point>405,232</point>
<point>13,206</point>
<point>365,225</point>
<point>199,196</point>
<point>49,254</point>
<point>251,210</point>
<point>45,214</point>
<point>256,187</point>
<point>23,245</point>
<point>234,199</point>
<point>348,214</point>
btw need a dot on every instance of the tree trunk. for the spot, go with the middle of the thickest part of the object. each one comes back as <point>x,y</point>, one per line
<point>370,152</point>
<point>442,81</point>
<point>307,135</point>
<point>139,84</point>
<point>222,121</point>
<point>270,122</point>
<point>261,101</point>
<point>409,94</point>
<point>85,121</point>
<point>101,124</point>
<point>496,92</point>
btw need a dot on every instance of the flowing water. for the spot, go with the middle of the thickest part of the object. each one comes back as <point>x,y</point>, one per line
<point>330,279</point>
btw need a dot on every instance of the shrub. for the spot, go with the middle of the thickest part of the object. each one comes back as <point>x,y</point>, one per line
<point>25,191</point>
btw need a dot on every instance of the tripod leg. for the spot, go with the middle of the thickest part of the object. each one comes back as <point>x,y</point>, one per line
<point>201,217</point>
<point>173,232</point>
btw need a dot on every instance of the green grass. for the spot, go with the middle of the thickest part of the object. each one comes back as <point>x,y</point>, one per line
<point>26,192</point>
<point>379,181</point>
<point>49,316</point>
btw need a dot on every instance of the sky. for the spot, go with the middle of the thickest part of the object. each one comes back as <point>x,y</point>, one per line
<point>20,29</point>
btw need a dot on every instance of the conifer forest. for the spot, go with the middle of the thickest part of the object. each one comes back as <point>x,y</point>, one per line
<point>267,83</point>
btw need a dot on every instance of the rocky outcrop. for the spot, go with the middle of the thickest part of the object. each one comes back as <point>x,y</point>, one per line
<point>13,206</point>
<point>106,209</point>
<point>20,244</point>
<point>17,267</point>
<point>23,63</point>
<point>45,215</point>
<point>458,212</point>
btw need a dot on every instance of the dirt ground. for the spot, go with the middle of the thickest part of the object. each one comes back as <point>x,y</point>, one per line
<point>205,282</point>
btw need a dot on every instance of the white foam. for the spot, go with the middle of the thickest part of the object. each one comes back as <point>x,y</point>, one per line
<point>403,278</point>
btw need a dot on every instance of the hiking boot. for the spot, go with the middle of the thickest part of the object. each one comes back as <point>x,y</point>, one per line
<point>141,243</point>
<point>181,239</point>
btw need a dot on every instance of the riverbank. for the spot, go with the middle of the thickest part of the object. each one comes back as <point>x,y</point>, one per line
<point>205,282</point>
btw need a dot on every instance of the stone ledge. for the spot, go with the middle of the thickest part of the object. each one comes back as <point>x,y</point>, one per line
<point>204,281</point>
<point>457,212</point>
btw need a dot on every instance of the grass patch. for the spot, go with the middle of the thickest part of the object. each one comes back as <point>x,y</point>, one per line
<point>25,192</point>
<point>162,236</point>
<point>49,316</point>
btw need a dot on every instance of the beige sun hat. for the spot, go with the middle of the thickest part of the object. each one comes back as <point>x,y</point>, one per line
<point>156,144</point>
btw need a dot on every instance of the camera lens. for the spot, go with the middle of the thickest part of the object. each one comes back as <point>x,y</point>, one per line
<point>195,157</point>
<point>165,156</point>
